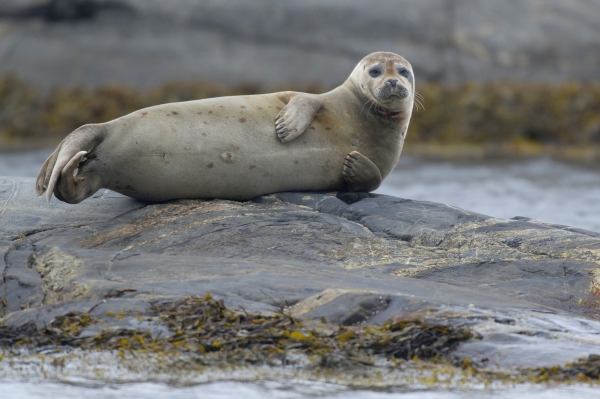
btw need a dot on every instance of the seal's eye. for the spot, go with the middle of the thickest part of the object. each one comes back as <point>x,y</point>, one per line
<point>404,72</point>
<point>374,72</point>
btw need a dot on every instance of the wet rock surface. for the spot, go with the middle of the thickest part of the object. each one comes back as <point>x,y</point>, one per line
<point>527,290</point>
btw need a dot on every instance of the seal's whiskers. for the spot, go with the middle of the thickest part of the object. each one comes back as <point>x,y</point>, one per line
<point>419,100</point>
<point>363,107</point>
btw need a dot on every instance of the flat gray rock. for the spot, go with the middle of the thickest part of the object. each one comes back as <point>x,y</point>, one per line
<point>528,288</point>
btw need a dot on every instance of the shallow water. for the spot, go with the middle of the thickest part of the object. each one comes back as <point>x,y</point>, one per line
<point>541,189</point>
<point>275,390</point>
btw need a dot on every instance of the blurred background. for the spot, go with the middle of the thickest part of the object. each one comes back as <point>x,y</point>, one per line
<point>511,118</point>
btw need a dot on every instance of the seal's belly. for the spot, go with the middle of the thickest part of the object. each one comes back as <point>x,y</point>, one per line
<point>215,149</point>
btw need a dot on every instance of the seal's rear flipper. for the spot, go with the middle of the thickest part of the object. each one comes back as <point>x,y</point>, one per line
<point>41,183</point>
<point>360,173</point>
<point>296,116</point>
<point>56,175</point>
<point>75,188</point>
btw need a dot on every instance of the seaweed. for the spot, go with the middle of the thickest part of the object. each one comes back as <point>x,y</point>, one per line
<point>216,334</point>
<point>196,332</point>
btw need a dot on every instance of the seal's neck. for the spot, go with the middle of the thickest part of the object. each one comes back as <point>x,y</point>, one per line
<point>384,113</point>
<point>381,129</point>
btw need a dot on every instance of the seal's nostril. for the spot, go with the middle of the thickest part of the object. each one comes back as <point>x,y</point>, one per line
<point>393,82</point>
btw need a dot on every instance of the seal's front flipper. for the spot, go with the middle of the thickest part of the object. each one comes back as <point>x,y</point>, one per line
<point>296,116</point>
<point>360,173</point>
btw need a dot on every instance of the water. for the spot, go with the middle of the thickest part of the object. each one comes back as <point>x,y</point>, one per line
<point>276,390</point>
<point>541,189</point>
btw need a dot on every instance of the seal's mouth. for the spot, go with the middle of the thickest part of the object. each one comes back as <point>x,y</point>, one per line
<point>390,101</point>
<point>391,93</point>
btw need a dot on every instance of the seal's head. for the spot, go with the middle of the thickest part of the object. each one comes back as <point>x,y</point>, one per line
<point>386,80</point>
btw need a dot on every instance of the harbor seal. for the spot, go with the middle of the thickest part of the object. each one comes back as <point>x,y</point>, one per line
<point>241,147</point>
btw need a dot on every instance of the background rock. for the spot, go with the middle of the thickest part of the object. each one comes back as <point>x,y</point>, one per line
<point>148,42</point>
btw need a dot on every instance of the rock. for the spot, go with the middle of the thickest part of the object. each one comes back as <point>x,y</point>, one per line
<point>147,43</point>
<point>529,289</point>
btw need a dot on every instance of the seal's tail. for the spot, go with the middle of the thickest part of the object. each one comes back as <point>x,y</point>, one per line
<point>56,175</point>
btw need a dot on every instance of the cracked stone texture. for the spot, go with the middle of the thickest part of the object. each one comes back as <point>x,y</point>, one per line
<point>529,288</point>
<point>145,43</point>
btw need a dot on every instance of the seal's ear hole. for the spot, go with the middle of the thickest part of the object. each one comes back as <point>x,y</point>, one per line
<point>374,72</point>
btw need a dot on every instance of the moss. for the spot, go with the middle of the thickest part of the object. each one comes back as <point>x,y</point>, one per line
<point>508,113</point>
<point>31,119</point>
<point>507,119</point>
<point>472,120</point>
